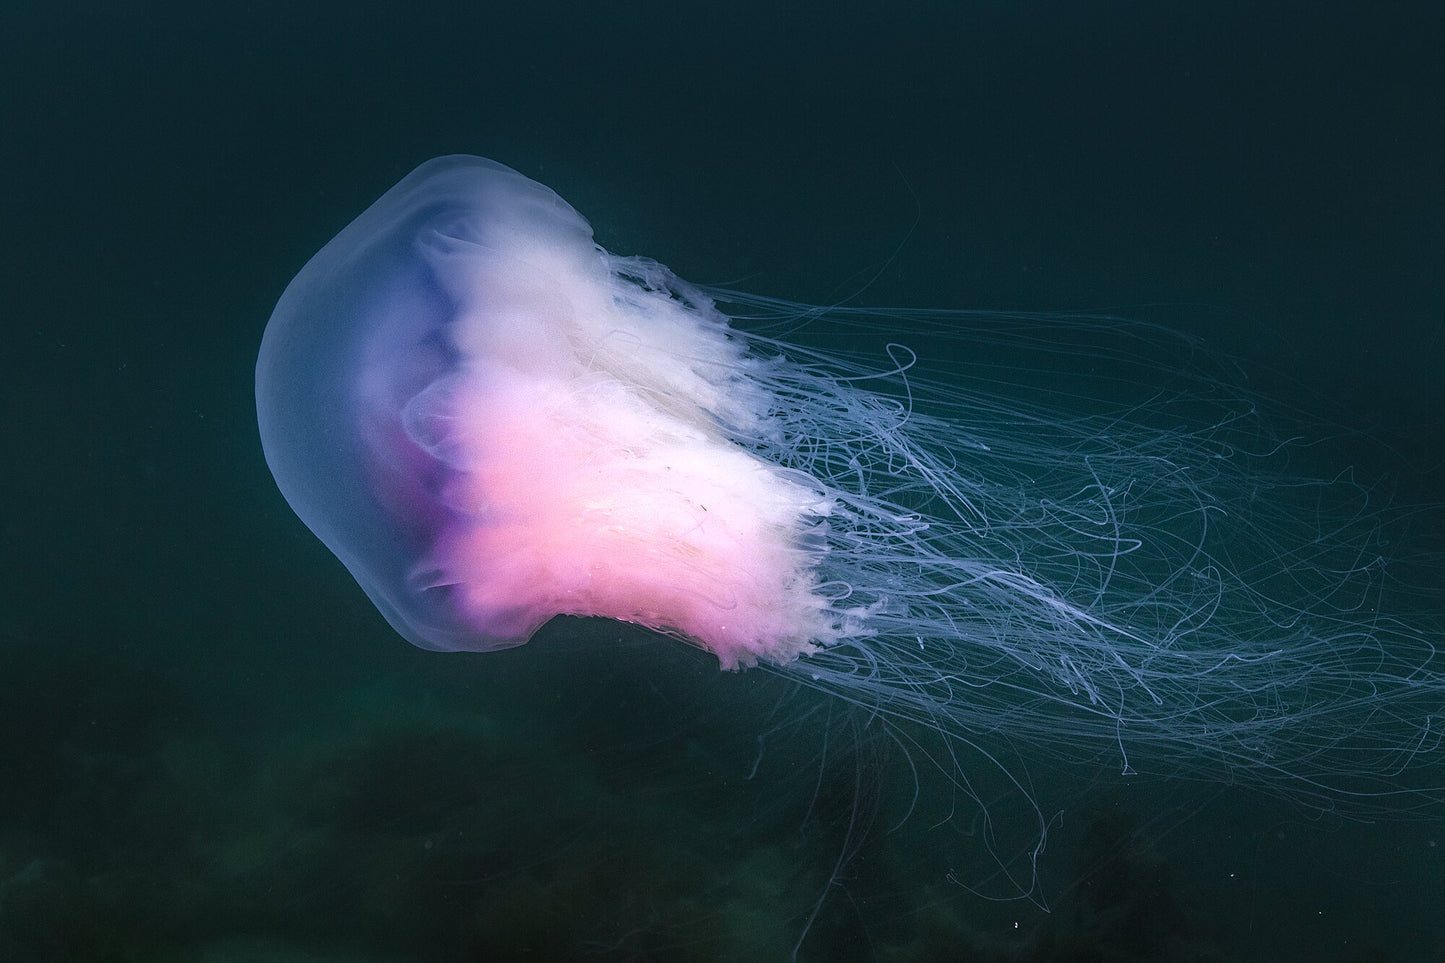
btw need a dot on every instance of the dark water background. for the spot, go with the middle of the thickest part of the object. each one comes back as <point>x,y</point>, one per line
<point>212,748</point>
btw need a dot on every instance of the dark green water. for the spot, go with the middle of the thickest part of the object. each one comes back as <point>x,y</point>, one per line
<point>212,748</point>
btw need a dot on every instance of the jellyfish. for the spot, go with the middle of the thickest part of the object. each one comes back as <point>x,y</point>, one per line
<point>492,422</point>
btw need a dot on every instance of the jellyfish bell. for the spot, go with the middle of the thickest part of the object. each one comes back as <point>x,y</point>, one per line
<point>492,421</point>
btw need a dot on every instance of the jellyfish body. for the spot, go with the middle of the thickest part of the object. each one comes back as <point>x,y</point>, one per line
<point>492,421</point>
